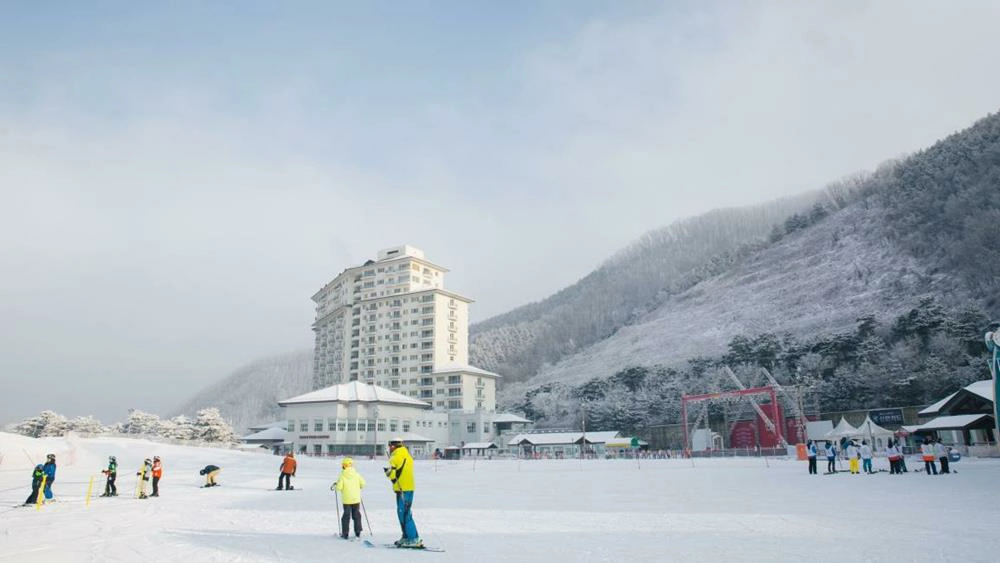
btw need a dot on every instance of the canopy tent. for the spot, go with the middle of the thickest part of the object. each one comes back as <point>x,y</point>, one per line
<point>875,434</point>
<point>843,429</point>
<point>870,429</point>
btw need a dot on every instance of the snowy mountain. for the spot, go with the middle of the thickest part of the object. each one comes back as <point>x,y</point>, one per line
<point>927,226</point>
<point>631,284</point>
<point>250,395</point>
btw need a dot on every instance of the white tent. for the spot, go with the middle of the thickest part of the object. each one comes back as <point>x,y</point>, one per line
<point>875,434</point>
<point>843,429</point>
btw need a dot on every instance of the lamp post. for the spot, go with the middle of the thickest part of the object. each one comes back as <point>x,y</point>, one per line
<point>583,426</point>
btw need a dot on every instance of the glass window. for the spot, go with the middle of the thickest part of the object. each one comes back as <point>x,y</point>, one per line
<point>303,426</point>
<point>471,428</point>
<point>406,426</point>
<point>291,426</point>
<point>318,425</point>
<point>341,425</point>
<point>352,425</point>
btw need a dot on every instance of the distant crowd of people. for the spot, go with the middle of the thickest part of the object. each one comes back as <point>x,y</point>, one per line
<point>859,456</point>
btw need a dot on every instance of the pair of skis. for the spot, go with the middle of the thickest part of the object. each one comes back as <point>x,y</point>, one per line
<point>369,543</point>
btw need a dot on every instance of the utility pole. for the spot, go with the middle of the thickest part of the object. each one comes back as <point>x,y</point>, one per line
<point>583,423</point>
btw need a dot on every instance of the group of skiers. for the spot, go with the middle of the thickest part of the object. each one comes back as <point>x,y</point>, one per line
<point>860,456</point>
<point>347,486</point>
<point>42,478</point>
<point>149,469</point>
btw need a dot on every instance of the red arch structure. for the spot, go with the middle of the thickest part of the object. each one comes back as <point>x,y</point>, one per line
<point>771,421</point>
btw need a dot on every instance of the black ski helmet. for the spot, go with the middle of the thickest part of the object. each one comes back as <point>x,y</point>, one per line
<point>51,456</point>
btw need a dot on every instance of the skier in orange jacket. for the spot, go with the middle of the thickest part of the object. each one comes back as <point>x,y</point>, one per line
<point>287,471</point>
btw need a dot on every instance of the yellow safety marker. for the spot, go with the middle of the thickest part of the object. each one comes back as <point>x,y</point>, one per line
<point>90,488</point>
<point>41,494</point>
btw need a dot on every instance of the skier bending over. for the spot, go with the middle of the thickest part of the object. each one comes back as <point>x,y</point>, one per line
<point>111,473</point>
<point>350,484</point>
<point>288,466</point>
<point>36,483</point>
<point>400,472</point>
<point>210,471</point>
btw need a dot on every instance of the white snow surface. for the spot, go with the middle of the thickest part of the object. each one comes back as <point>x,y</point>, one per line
<point>736,509</point>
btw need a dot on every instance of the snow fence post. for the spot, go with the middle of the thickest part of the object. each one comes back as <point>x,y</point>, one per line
<point>90,488</point>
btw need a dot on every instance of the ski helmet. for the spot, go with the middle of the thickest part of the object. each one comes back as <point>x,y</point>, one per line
<point>51,456</point>
<point>348,462</point>
<point>156,458</point>
<point>112,458</point>
<point>395,442</point>
<point>147,462</point>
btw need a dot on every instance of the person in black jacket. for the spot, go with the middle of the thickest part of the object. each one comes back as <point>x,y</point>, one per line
<point>36,483</point>
<point>210,471</point>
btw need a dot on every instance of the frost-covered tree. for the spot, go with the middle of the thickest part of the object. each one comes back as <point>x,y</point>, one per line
<point>87,425</point>
<point>179,428</point>
<point>139,422</point>
<point>48,423</point>
<point>211,427</point>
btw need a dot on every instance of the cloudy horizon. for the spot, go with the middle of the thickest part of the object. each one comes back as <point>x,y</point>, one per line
<point>178,180</point>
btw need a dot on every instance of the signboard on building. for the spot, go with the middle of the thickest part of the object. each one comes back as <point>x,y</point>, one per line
<point>887,417</point>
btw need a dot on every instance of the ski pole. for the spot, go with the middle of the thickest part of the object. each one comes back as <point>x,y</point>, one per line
<point>367,523</point>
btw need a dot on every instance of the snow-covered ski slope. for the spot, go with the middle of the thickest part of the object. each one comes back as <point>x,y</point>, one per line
<point>503,510</point>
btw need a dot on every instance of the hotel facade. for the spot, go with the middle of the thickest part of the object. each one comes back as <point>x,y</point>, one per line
<point>391,322</point>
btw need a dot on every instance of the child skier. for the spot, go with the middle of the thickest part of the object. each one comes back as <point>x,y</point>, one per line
<point>36,483</point>
<point>287,468</point>
<point>111,473</point>
<point>50,475</point>
<point>143,475</point>
<point>157,473</point>
<point>350,484</point>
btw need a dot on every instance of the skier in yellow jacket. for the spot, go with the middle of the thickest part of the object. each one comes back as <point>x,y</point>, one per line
<point>400,472</point>
<point>350,484</point>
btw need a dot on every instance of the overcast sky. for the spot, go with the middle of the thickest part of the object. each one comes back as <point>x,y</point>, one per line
<point>178,179</point>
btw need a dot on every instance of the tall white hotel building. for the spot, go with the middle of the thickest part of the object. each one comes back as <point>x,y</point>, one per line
<point>390,322</point>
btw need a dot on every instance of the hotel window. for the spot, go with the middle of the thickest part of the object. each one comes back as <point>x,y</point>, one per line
<point>318,425</point>
<point>406,426</point>
<point>393,424</point>
<point>331,424</point>
<point>291,426</point>
<point>341,425</point>
<point>352,425</point>
<point>471,428</point>
<point>303,426</point>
